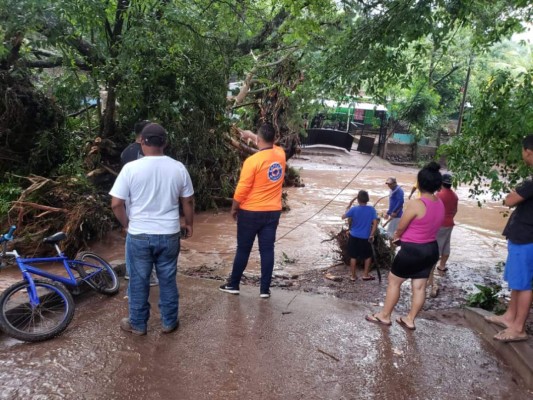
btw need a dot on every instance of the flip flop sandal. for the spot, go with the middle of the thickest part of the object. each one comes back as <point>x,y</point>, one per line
<point>443,269</point>
<point>375,320</point>
<point>369,278</point>
<point>402,323</point>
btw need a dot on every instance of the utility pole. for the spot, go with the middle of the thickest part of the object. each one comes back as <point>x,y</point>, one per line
<point>462,109</point>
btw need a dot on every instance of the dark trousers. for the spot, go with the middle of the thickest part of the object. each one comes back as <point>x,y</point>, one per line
<point>249,224</point>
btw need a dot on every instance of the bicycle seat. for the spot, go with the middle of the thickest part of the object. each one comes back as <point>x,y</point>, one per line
<point>55,238</point>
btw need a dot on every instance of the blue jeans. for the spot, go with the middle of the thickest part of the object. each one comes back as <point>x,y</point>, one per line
<point>249,224</point>
<point>142,253</point>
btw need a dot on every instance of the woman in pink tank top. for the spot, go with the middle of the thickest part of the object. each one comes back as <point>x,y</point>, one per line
<point>417,234</point>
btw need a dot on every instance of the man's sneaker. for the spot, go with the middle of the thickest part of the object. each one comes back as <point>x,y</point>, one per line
<point>265,295</point>
<point>153,279</point>
<point>125,325</point>
<point>170,329</point>
<point>229,289</point>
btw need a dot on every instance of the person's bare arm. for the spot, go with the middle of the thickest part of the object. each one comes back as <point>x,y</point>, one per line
<point>373,230</point>
<point>513,199</point>
<point>234,209</point>
<point>247,135</point>
<point>412,191</point>
<point>188,211</point>
<point>119,209</point>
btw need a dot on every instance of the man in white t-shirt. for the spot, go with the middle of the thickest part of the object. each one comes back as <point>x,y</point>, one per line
<point>153,186</point>
<point>131,153</point>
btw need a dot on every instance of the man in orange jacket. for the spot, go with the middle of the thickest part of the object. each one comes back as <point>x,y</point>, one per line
<point>257,207</point>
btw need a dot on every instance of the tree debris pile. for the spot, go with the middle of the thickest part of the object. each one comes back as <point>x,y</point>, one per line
<point>384,254</point>
<point>293,178</point>
<point>65,204</point>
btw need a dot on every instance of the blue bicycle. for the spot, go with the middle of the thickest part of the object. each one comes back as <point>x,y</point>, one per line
<point>34,310</point>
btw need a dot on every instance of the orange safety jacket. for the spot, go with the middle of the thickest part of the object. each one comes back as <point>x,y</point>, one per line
<point>261,179</point>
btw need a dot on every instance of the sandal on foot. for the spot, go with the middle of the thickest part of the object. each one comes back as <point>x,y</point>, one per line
<point>353,279</point>
<point>442,269</point>
<point>375,320</point>
<point>402,323</point>
<point>490,319</point>
<point>369,278</point>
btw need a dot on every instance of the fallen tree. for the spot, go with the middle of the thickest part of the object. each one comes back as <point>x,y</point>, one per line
<point>66,204</point>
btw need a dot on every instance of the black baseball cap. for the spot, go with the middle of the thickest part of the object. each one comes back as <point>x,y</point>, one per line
<point>447,179</point>
<point>154,130</point>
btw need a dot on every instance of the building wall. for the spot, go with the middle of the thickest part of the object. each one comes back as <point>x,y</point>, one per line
<point>397,152</point>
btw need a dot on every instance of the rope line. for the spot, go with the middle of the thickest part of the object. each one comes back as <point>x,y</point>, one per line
<point>330,201</point>
<point>340,191</point>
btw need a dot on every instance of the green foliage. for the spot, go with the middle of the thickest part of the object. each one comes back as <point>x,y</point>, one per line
<point>9,191</point>
<point>486,298</point>
<point>487,154</point>
<point>419,106</point>
<point>172,61</point>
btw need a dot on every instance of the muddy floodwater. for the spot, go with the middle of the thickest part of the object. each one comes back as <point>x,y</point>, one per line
<point>332,178</point>
<point>304,251</point>
<point>294,345</point>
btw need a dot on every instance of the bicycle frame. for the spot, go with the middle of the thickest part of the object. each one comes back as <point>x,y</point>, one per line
<point>27,269</point>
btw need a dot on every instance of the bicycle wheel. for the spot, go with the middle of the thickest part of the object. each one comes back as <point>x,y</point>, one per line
<point>106,281</point>
<point>34,324</point>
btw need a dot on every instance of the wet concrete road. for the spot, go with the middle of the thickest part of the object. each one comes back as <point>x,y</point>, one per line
<point>292,346</point>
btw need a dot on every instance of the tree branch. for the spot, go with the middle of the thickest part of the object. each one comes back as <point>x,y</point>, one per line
<point>261,38</point>
<point>75,114</point>
<point>455,68</point>
<point>56,61</point>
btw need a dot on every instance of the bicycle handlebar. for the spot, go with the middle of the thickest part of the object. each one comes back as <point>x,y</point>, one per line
<point>9,235</point>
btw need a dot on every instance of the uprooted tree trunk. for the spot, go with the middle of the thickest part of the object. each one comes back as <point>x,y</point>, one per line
<point>269,103</point>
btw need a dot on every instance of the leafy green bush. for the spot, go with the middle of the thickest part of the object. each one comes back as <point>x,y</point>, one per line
<point>487,298</point>
<point>9,192</point>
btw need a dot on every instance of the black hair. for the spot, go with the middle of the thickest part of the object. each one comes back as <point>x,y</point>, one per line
<point>139,126</point>
<point>447,185</point>
<point>429,178</point>
<point>267,132</point>
<point>527,143</point>
<point>362,196</point>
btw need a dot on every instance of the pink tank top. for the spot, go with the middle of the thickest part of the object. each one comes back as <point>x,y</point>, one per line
<point>424,230</point>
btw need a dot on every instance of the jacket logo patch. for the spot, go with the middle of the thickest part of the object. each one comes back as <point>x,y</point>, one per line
<point>275,172</point>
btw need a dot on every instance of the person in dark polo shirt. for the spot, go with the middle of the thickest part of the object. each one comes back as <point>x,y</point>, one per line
<point>134,151</point>
<point>519,265</point>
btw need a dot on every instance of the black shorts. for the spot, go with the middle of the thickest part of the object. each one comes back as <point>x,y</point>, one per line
<point>415,260</point>
<point>359,248</point>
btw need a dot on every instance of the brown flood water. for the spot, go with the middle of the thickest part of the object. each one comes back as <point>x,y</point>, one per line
<point>315,213</point>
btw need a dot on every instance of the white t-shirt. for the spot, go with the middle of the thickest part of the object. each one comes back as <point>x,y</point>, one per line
<point>153,186</point>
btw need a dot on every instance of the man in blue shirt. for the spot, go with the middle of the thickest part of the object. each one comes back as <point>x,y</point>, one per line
<point>362,230</point>
<point>395,210</point>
